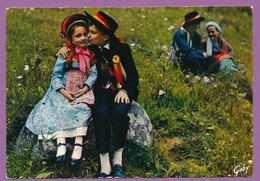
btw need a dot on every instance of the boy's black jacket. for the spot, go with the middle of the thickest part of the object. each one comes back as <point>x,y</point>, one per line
<point>124,52</point>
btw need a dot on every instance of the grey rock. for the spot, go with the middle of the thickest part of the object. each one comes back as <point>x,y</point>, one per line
<point>46,149</point>
<point>139,132</point>
<point>140,126</point>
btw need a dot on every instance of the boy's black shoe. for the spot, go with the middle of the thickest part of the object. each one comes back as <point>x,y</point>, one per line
<point>118,171</point>
<point>103,175</point>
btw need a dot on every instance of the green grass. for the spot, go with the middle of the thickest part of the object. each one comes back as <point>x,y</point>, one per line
<point>199,130</point>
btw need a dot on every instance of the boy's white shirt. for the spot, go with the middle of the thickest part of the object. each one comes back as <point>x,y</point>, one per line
<point>107,46</point>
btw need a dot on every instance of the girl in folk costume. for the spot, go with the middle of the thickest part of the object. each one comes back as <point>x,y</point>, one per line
<point>64,112</point>
<point>218,47</point>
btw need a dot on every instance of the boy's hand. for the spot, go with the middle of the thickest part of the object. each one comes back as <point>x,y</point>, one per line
<point>64,51</point>
<point>121,95</point>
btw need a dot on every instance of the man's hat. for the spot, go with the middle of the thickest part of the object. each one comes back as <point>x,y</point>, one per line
<point>104,22</point>
<point>193,17</point>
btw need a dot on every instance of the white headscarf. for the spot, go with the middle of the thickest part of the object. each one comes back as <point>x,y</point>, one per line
<point>212,23</point>
<point>209,42</point>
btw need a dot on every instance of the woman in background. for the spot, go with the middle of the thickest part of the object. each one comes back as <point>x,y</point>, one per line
<point>218,47</point>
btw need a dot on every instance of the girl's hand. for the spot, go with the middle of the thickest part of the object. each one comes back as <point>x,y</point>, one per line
<point>64,51</point>
<point>121,95</point>
<point>82,91</point>
<point>69,95</point>
<point>205,54</point>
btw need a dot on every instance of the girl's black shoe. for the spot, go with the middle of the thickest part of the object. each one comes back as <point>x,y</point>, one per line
<point>76,162</point>
<point>61,158</point>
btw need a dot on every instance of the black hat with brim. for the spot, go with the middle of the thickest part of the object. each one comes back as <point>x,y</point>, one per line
<point>104,22</point>
<point>193,17</point>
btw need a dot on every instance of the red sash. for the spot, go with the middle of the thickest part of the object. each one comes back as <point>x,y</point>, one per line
<point>221,56</point>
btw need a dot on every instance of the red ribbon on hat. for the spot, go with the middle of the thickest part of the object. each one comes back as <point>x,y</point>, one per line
<point>103,21</point>
<point>195,17</point>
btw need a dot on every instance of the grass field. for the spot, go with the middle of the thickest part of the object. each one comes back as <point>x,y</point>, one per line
<point>200,130</point>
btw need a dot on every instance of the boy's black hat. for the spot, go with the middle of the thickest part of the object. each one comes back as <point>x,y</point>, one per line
<point>104,22</point>
<point>193,17</point>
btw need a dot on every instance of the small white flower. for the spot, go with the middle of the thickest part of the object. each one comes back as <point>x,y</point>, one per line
<point>234,85</point>
<point>197,77</point>
<point>20,77</point>
<point>132,29</point>
<point>133,44</point>
<point>206,80</point>
<point>171,28</point>
<point>161,92</point>
<point>242,94</point>
<point>26,67</point>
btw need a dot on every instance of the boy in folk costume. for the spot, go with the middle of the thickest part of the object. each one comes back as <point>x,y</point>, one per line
<point>187,47</point>
<point>114,90</point>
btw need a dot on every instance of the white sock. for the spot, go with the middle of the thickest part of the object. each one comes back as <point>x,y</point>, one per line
<point>105,164</point>
<point>117,158</point>
<point>77,151</point>
<point>61,150</point>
